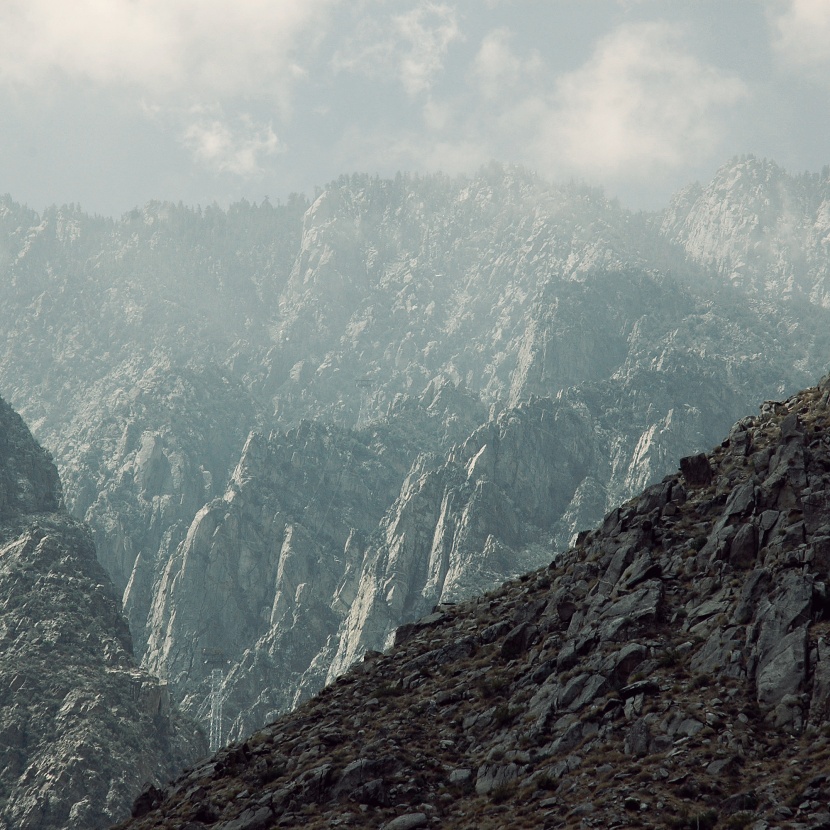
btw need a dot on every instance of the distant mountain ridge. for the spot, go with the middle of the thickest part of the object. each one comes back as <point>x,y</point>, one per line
<point>430,328</point>
<point>760,228</point>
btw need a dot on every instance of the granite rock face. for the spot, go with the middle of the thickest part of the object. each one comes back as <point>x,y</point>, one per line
<point>668,670</point>
<point>429,320</point>
<point>82,728</point>
<point>266,574</point>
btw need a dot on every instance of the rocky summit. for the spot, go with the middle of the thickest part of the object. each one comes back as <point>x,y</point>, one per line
<point>672,669</point>
<point>82,728</point>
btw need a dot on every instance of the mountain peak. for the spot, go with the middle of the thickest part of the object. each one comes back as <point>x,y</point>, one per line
<point>758,227</point>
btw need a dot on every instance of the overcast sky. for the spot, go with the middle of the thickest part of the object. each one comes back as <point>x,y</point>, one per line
<point>111,103</point>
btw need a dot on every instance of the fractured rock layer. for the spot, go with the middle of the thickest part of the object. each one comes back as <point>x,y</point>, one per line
<point>146,351</point>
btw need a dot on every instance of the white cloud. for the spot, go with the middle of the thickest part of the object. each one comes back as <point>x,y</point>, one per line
<point>410,47</point>
<point>167,58</point>
<point>447,152</point>
<point>641,107</point>
<point>428,30</point>
<point>498,69</point>
<point>226,147</point>
<point>438,115</point>
<point>194,48</point>
<point>223,78</point>
<point>801,35</point>
<point>642,103</point>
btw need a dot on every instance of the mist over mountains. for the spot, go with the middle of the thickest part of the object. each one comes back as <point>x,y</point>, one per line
<point>292,428</point>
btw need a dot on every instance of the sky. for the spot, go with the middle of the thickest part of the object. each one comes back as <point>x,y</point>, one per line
<point>112,103</point>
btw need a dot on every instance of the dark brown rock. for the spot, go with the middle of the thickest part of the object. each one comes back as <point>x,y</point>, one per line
<point>696,470</point>
<point>743,548</point>
<point>518,640</point>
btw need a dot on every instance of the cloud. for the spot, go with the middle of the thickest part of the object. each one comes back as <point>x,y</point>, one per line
<point>226,147</point>
<point>801,34</point>
<point>643,102</point>
<point>428,30</point>
<point>169,59</point>
<point>641,107</point>
<point>410,47</point>
<point>195,48</point>
<point>497,69</point>
<point>409,150</point>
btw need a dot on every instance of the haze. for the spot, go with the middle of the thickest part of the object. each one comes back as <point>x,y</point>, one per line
<point>111,103</point>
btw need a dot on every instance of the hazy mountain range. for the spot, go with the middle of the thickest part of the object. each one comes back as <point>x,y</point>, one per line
<point>292,428</point>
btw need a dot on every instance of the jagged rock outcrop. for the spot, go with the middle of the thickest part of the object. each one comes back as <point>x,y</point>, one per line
<point>155,324</point>
<point>457,529</point>
<point>82,728</point>
<point>155,451</point>
<point>454,525</point>
<point>288,579</point>
<point>261,583</point>
<point>667,671</point>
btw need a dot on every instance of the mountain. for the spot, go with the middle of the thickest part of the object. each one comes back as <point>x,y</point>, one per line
<point>669,670</point>
<point>759,227</point>
<point>293,428</point>
<point>82,727</point>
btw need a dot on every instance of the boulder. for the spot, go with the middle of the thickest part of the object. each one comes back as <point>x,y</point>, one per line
<point>783,671</point>
<point>696,470</point>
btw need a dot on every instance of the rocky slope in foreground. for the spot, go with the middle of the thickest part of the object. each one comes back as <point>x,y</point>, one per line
<point>671,670</point>
<point>82,728</point>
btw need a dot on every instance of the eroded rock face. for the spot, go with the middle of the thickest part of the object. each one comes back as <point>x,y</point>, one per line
<point>327,540</point>
<point>266,574</point>
<point>458,529</point>
<point>29,482</point>
<point>82,728</point>
<point>689,682</point>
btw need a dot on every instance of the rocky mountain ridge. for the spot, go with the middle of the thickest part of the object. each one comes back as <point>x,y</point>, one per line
<point>421,318</point>
<point>82,728</point>
<point>670,670</point>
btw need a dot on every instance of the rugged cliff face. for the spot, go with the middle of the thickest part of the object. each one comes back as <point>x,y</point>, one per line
<point>670,670</point>
<point>759,227</point>
<point>327,540</point>
<point>430,328</point>
<point>263,579</point>
<point>82,728</point>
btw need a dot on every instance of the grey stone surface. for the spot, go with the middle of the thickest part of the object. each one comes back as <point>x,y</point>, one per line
<point>703,684</point>
<point>408,821</point>
<point>82,728</point>
<point>783,670</point>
